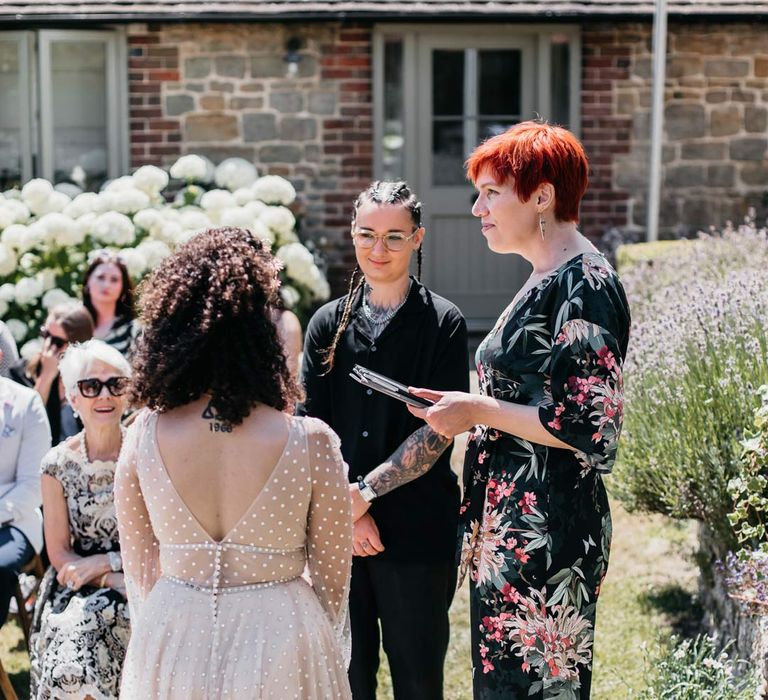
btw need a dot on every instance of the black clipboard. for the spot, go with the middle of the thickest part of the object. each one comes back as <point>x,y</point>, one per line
<point>390,387</point>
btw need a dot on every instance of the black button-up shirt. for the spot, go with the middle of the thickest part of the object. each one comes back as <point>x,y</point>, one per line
<point>424,345</point>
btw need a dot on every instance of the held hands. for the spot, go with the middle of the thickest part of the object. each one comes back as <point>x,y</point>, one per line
<point>451,414</point>
<point>77,574</point>
<point>359,505</point>
<point>365,538</point>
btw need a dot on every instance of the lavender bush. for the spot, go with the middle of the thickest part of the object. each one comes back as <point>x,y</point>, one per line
<point>699,347</point>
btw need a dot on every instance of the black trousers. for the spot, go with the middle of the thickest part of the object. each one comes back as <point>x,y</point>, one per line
<point>410,601</point>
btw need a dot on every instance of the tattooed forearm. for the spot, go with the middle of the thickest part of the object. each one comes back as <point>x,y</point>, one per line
<point>413,458</point>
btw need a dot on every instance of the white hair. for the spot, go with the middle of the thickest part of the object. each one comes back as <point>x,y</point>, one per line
<point>79,357</point>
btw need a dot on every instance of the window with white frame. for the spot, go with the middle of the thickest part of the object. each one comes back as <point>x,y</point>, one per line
<point>62,106</point>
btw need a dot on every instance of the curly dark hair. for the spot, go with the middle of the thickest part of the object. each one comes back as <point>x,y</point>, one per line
<point>207,329</point>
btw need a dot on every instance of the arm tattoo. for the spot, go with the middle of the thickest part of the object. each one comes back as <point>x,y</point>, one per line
<point>414,457</point>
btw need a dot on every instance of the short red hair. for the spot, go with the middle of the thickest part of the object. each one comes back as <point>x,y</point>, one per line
<point>531,153</point>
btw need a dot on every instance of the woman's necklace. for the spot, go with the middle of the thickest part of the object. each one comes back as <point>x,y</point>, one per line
<point>84,448</point>
<point>382,318</point>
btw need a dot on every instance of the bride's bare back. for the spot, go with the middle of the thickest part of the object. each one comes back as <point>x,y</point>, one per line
<point>217,469</point>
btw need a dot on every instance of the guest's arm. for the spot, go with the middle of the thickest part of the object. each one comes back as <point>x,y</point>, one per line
<point>34,441</point>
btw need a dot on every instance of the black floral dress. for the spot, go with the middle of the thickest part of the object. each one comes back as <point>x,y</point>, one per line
<point>536,527</point>
<point>79,638</point>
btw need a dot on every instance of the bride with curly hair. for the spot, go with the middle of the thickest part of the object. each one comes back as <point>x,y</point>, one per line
<point>223,497</point>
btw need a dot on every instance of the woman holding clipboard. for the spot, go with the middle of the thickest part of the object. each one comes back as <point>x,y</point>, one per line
<point>405,497</point>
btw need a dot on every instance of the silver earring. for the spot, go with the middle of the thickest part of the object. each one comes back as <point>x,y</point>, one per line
<point>542,226</point>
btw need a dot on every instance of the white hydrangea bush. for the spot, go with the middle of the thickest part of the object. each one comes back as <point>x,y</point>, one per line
<point>49,234</point>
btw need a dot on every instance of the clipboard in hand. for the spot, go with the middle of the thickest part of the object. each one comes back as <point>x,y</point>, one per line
<point>385,385</point>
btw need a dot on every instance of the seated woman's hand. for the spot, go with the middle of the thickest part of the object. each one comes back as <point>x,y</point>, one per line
<point>77,574</point>
<point>451,414</point>
<point>366,541</point>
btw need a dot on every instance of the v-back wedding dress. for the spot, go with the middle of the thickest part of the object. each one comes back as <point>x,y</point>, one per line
<point>234,618</point>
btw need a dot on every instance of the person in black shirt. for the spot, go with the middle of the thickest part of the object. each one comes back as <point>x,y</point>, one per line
<point>405,496</point>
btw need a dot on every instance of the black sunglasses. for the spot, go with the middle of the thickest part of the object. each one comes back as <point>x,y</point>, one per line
<point>91,388</point>
<point>55,340</point>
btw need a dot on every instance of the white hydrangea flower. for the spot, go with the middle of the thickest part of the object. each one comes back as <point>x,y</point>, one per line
<point>274,189</point>
<point>55,202</point>
<point>194,219</point>
<point>125,201</point>
<point>298,262</point>
<point>27,291</point>
<point>261,230</point>
<point>154,252</point>
<point>31,348</point>
<point>47,278</point>
<point>21,213</point>
<point>191,168</point>
<point>8,260</point>
<point>148,219</point>
<point>189,195</point>
<point>13,193</point>
<point>61,230</point>
<point>318,285</point>
<point>34,235</point>
<point>243,195</point>
<point>234,173</point>
<point>7,292</point>
<point>13,235</point>
<point>17,328</point>
<point>85,223</point>
<point>84,203</point>
<point>279,219</point>
<point>290,296</point>
<point>36,191</point>
<point>134,261</point>
<point>236,216</point>
<point>150,179</point>
<point>28,262</point>
<point>114,228</point>
<point>7,217</point>
<point>255,208</point>
<point>119,184</point>
<point>215,201</point>
<point>54,297</point>
<point>169,233</point>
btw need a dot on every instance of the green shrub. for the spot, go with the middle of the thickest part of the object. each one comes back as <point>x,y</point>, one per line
<point>695,670</point>
<point>698,348</point>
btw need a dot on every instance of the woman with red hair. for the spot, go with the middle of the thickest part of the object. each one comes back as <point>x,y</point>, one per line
<point>536,526</point>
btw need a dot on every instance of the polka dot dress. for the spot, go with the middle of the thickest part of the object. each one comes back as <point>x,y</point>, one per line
<point>235,618</point>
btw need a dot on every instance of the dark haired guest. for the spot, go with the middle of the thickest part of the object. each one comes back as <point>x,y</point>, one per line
<point>536,527</point>
<point>406,500</point>
<point>223,497</point>
<point>108,296</point>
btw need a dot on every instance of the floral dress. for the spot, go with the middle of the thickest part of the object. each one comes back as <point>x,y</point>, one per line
<point>79,638</point>
<point>536,527</point>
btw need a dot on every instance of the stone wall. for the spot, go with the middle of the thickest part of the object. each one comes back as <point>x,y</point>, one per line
<point>716,121</point>
<point>223,90</point>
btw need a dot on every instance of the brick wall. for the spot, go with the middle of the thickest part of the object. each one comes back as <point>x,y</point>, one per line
<point>223,90</point>
<point>715,125</point>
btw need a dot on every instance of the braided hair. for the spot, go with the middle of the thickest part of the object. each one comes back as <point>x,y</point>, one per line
<point>379,192</point>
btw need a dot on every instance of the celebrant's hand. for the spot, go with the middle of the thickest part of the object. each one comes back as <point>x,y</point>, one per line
<point>451,414</point>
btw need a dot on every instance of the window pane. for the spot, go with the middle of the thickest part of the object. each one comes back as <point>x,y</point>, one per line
<point>448,152</point>
<point>393,139</point>
<point>79,111</point>
<point>493,127</point>
<point>10,114</point>
<point>561,83</point>
<point>499,82</point>
<point>448,83</point>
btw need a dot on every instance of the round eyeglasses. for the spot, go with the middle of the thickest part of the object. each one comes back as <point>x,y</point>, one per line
<point>393,242</point>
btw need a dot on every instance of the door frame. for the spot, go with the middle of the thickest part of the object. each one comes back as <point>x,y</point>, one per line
<point>414,39</point>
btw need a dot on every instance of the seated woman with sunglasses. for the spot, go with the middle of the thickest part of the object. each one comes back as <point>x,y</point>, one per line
<point>108,296</point>
<point>80,628</point>
<point>66,323</point>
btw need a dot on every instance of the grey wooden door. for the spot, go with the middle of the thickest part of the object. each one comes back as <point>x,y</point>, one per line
<point>468,88</point>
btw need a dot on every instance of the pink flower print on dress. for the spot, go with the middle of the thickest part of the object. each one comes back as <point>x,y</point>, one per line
<point>527,502</point>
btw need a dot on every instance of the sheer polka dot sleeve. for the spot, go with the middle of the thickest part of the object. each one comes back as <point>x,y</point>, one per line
<point>329,528</point>
<point>138,544</point>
